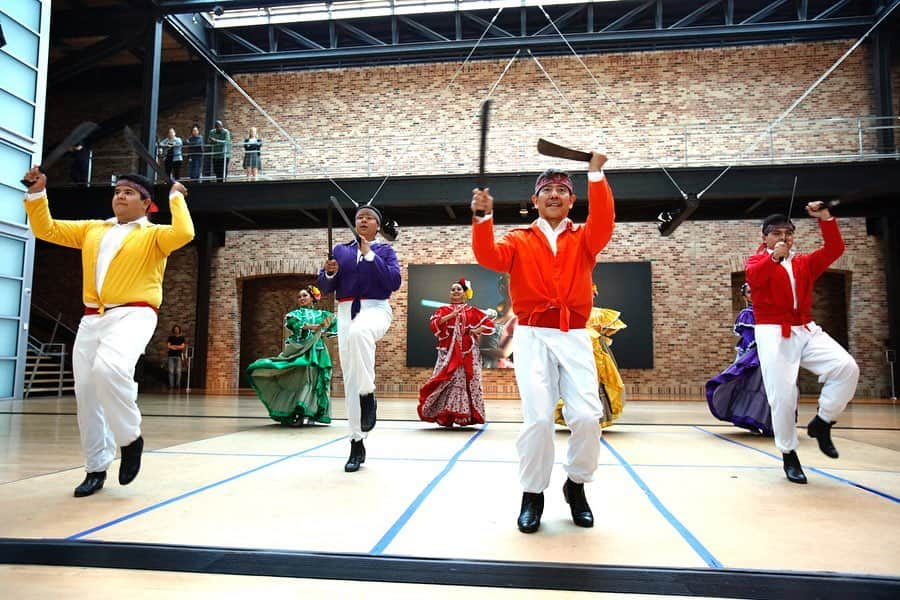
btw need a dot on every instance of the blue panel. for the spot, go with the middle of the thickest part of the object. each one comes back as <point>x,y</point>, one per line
<point>20,42</point>
<point>13,164</point>
<point>18,115</point>
<point>18,79</point>
<point>10,301</point>
<point>7,378</point>
<point>24,11</point>
<point>12,210</point>
<point>12,256</point>
<point>9,336</point>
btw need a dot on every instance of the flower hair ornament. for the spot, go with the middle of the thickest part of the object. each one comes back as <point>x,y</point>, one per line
<point>314,292</point>
<point>467,288</point>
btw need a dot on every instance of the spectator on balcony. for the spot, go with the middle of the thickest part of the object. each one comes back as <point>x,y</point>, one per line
<point>252,158</point>
<point>219,139</point>
<point>193,149</point>
<point>171,145</point>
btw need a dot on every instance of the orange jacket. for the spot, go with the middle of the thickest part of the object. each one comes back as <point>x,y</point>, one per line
<point>542,284</point>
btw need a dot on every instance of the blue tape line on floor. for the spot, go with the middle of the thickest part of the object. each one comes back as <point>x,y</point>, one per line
<point>685,533</point>
<point>388,537</point>
<point>153,507</point>
<point>865,488</point>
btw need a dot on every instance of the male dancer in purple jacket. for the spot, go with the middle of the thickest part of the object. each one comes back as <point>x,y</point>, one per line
<point>363,274</point>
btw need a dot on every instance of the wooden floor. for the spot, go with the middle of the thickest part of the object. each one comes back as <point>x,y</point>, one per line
<point>675,489</point>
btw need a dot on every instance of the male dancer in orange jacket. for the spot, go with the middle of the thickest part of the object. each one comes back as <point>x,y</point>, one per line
<point>787,338</point>
<point>549,265</point>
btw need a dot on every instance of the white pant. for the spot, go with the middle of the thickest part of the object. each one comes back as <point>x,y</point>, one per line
<point>107,348</point>
<point>780,359</point>
<point>551,364</point>
<point>356,348</point>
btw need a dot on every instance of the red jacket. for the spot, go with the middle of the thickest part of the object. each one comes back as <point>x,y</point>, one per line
<point>546,289</point>
<point>773,302</point>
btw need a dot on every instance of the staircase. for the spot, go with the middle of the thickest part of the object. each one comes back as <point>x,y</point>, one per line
<point>48,365</point>
<point>46,371</point>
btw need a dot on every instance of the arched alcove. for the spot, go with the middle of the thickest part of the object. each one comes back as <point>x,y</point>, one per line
<point>264,302</point>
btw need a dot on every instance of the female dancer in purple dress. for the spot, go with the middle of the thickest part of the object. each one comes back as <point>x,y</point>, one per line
<point>737,395</point>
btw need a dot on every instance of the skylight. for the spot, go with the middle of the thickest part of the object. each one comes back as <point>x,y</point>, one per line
<point>359,9</point>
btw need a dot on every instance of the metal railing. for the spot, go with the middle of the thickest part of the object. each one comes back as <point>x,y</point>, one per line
<point>42,350</point>
<point>513,149</point>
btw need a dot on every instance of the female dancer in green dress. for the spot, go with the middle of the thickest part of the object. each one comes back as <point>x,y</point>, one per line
<point>295,384</point>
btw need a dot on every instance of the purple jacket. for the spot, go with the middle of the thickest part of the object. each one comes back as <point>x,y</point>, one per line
<point>374,280</point>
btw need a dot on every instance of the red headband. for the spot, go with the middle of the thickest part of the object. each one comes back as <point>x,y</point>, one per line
<point>560,178</point>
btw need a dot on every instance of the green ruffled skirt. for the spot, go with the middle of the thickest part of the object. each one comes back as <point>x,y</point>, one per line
<point>294,385</point>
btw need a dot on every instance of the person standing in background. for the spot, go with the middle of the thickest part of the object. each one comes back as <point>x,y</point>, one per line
<point>219,140</point>
<point>175,346</point>
<point>172,146</point>
<point>194,151</point>
<point>252,158</point>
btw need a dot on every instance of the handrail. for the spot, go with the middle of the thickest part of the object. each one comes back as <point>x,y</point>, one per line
<point>57,319</point>
<point>42,350</point>
<point>826,139</point>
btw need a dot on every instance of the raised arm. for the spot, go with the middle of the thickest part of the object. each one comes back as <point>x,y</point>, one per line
<point>496,256</point>
<point>601,208</point>
<point>181,231</point>
<point>45,227</point>
<point>821,259</point>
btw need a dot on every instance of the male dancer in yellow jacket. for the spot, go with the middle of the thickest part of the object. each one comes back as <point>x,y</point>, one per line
<point>123,261</point>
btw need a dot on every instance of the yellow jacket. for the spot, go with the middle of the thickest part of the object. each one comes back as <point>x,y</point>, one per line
<point>136,271</point>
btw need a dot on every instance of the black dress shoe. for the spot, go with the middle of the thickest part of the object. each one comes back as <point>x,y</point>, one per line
<point>92,482</point>
<point>131,461</point>
<point>357,456</point>
<point>530,514</point>
<point>367,406</point>
<point>792,468</point>
<point>821,430</point>
<point>578,504</point>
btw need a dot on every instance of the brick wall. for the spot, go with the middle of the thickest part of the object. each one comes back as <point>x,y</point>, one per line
<point>405,120</point>
<point>692,297</point>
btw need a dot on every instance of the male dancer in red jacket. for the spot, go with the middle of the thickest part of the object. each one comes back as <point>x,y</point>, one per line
<point>549,265</point>
<point>787,338</point>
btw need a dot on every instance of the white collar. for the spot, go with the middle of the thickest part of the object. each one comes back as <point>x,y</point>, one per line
<point>143,221</point>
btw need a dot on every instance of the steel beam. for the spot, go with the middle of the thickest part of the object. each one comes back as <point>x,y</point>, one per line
<point>695,14</point>
<point>685,37</point>
<point>360,34</point>
<point>150,88</point>
<point>764,12</point>
<point>422,29</point>
<point>241,41</point>
<point>484,23</point>
<point>560,21</point>
<point>628,17</point>
<point>300,39</point>
<point>825,14</point>
<point>881,84</point>
<point>74,64</point>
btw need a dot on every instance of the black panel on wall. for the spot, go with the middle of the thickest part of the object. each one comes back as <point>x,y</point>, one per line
<point>625,287</point>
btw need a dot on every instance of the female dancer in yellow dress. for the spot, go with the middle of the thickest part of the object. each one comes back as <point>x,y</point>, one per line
<point>602,325</point>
